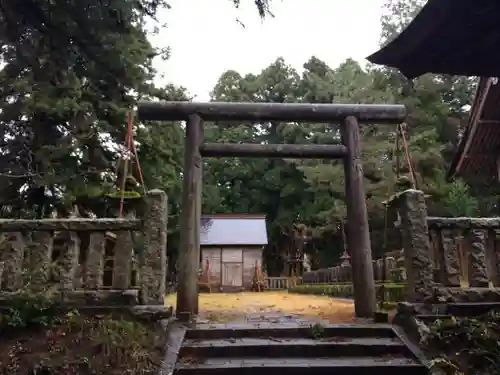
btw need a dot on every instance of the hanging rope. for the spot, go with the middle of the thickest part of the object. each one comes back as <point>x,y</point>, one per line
<point>130,149</point>
<point>386,222</point>
<point>413,176</point>
<point>400,132</point>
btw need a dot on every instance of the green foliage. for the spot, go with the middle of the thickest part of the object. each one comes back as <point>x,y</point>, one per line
<point>459,202</point>
<point>77,343</point>
<point>317,331</point>
<point>28,311</point>
<point>466,345</point>
<point>311,192</point>
<point>64,95</point>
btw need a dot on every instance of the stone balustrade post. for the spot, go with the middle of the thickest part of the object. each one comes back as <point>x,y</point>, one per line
<point>450,266</point>
<point>153,262</point>
<point>412,210</point>
<point>13,256</point>
<point>477,258</point>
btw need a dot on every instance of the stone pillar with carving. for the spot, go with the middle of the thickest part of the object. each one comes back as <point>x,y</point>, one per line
<point>153,262</point>
<point>69,261</point>
<point>95,260</point>
<point>2,264</point>
<point>450,266</point>
<point>41,257</point>
<point>13,256</point>
<point>124,250</point>
<point>477,258</point>
<point>375,272</point>
<point>417,253</point>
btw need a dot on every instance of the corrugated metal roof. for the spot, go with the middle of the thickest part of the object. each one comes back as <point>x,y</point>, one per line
<point>237,229</point>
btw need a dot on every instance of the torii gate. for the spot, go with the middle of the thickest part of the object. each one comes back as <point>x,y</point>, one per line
<point>348,115</point>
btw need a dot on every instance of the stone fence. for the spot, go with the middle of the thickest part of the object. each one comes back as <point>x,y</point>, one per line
<point>280,283</point>
<point>447,258</point>
<point>88,262</point>
<point>464,251</point>
<point>390,268</point>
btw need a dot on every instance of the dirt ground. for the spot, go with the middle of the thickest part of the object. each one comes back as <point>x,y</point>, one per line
<point>74,344</point>
<point>227,307</point>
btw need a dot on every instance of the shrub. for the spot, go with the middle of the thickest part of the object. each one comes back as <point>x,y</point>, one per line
<point>80,344</point>
<point>392,292</point>
<point>26,311</point>
<point>466,345</point>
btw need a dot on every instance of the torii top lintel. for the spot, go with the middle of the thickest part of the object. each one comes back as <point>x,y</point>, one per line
<point>223,111</point>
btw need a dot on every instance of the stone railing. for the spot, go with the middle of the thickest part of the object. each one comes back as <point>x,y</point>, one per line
<point>394,271</point>
<point>447,258</point>
<point>465,251</point>
<point>277,283</point>
<point>68,258</point>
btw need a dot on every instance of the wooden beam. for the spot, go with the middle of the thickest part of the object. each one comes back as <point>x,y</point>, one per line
<point>187,285</point>
<point>76,225</point>
<point>273,151</point>
<point>222,111</point>
<point>358,232</point>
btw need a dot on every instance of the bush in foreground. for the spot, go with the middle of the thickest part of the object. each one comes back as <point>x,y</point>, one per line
<point>466,345</point>
<point>38,339</point>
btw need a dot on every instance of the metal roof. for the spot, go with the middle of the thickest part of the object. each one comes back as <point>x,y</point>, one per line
<point>233,229</point>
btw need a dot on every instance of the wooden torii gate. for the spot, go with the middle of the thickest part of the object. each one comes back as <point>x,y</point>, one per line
<point>350,116</point>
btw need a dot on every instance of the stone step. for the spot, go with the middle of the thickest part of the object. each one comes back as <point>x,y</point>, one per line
<point>300,347</point>
<point>380,365</point>
<point>471,308</point>
<point>288,330</point>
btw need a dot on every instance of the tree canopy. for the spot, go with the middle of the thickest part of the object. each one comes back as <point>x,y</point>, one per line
<point>72,69</point>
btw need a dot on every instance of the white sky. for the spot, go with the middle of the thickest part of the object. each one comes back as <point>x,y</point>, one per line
<point>206,39</point>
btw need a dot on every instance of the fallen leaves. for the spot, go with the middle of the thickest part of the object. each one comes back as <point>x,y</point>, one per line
<point>225,307</point>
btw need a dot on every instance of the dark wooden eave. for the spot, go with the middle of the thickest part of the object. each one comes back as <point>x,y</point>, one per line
<point>476,157</point>
<point>456,37</point>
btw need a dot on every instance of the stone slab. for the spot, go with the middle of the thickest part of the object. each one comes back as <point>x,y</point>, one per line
<point>290,330</point>
<point>383,365</point>
<point>303,347</point>
<point>175,337</point>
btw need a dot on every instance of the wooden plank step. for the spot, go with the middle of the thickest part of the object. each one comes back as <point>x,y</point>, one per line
<point>301,347</point>
<point>301,366</point>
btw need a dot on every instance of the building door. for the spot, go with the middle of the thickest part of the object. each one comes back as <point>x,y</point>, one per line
<point>232,274</point>
<point>232,267</point>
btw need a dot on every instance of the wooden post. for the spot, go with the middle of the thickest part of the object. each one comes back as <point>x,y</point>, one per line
<point>358,233</point>
<point>198,204</point>
<point>187,288</point>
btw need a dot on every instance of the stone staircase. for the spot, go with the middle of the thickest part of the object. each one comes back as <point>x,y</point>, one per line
<point>287,349</point>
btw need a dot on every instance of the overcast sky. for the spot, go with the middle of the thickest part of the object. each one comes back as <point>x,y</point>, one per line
<point>206,39</point>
